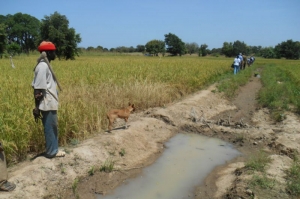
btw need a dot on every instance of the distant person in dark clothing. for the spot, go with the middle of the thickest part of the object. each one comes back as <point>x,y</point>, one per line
<point>250,61</point>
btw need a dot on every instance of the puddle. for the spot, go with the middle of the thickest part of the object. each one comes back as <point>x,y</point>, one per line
<point>186,161</point>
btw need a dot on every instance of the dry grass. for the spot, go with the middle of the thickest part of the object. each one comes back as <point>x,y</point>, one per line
<point>91,86</point>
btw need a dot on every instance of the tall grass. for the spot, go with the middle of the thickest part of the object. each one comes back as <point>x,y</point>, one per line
<point>281,86</point>
<point>91,86</point>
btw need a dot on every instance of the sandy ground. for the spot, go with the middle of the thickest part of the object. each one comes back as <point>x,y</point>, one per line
<point>206,112</point>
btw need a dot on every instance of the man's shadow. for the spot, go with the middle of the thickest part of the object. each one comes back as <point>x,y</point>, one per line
<point>43,154</point>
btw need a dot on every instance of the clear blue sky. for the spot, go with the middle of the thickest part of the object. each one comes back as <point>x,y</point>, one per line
<point>113,23</point>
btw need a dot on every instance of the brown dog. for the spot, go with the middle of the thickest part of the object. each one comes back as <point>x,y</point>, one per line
<point>119,113</point>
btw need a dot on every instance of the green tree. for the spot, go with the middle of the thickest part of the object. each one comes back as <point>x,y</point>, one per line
<point>90,48</point>
<point>297,47</point>
<point>208,51</point>
<point>174,44</point>
<point>279,51</point>
<point>155,46</point>
<point>131,49</point>
<point>254,49</point>
<point>227,49</point>
<point>2,19</point>
<point>140,48</point>
<point>216,51</point>
<point>3,39</point>
<point>24,30</point>
<point>288,49</point>
<point>14,48</point>
<point>268,52</point>
<point>239,47</point>
<point>192,48</point>
<point>203,49</point>
<point>55,28</point>
<point>122,49</point>
<point>99,48</point>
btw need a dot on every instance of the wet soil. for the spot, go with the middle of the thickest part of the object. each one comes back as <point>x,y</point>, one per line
<point>240,121</point>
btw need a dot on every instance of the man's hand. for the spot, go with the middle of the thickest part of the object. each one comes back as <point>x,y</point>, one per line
<point>37,114</point>
<point>38,94</point>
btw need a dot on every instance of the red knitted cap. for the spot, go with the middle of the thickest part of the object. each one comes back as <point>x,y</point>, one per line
<point>46,45</point>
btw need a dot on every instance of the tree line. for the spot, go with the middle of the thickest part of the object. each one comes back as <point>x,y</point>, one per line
<point>22,33</point>
<point>287,49</point>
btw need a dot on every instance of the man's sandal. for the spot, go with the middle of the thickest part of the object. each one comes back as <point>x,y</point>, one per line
<point>7,186</point>
<point>60,154</point>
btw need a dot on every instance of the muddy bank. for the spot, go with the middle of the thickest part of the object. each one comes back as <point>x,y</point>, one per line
<point>240,122</point>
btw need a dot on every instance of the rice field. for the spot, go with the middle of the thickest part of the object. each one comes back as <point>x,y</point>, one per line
<point>91,86</point>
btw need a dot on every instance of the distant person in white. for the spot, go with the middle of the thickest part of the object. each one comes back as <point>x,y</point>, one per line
<point>236,64</point>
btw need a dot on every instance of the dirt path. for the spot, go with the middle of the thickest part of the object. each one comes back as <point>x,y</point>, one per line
<point>206,112</point>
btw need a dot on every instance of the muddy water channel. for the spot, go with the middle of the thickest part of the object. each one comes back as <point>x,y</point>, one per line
<point>186,161</point>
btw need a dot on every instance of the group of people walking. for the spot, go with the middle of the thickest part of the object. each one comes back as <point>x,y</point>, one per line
<point>46,105</point>
<point>239,62</point>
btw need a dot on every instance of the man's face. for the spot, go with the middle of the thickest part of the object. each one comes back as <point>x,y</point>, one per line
<point>51,55</point>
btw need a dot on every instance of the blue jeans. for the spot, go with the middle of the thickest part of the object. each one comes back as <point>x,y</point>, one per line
<point>236,69</point>
<point>51,132</point>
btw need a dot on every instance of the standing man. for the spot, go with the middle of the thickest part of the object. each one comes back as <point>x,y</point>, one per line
<point>4,184</point>
<point>241,61</point>
<point>46,98</point>
<point>236,64</point>
<point>252,59</point>
<point>244,62</point>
